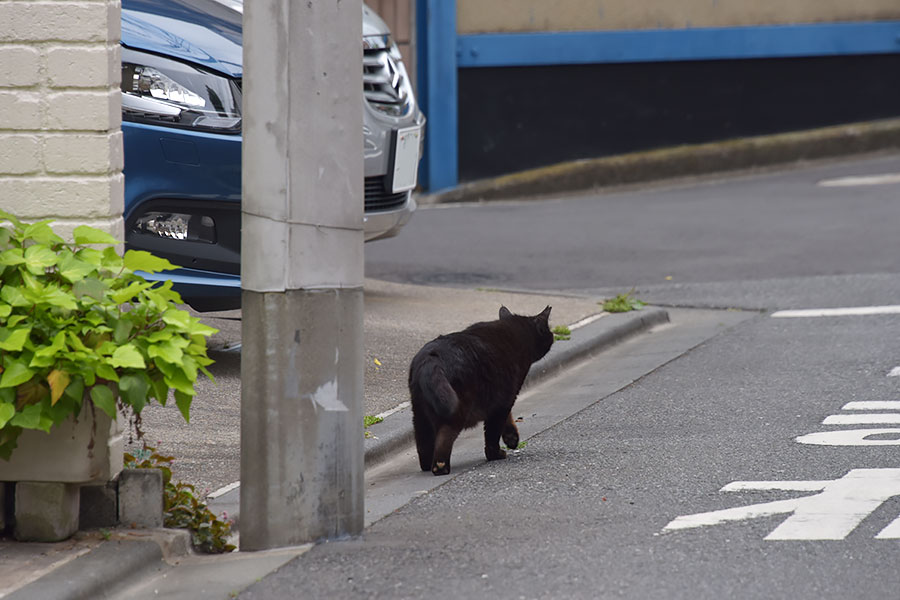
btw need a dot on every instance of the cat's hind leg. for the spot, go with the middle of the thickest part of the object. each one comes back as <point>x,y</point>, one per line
<point>443,446</point>
<point>493,426</point>
<point>425,440</point>
<point>510,433</point>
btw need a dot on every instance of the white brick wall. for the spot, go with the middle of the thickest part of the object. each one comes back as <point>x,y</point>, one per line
<point>60,112</point>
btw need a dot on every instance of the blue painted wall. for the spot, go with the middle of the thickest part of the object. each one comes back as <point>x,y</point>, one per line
<point>442,53</point>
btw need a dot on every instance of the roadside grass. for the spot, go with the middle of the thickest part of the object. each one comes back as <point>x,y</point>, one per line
<point>623,303</point>
<point>561,332</point>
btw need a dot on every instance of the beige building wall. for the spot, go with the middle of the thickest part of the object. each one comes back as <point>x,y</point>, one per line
<point>60,113</point>
<point>486,16</point>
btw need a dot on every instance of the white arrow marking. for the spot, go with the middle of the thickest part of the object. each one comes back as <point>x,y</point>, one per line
<point>829,515</point>
<point>851,437</point>
<point>865,419</point>
<point>872,405</point>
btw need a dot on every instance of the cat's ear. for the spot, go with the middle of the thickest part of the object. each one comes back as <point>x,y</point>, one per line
<point>504,313</point>
<point>545,314</point>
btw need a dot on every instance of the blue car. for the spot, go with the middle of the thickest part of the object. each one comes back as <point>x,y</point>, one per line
<point>181,121</point>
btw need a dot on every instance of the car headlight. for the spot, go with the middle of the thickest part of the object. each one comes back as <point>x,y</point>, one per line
<point>161,91</point>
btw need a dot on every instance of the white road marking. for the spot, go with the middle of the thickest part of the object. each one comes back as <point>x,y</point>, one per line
<point>838,312</point>
<point>864,419</point>
<point>224,490</point>
<point>391,411</point>
<point>872,405</point>
<point>851,437</point>
<point>740,513</point>
<point>832,514</point>
<point>883,179</point>
<point>586,321</point>
<point>891,532</point>
<point>895,372</point>
<point>786,486</point>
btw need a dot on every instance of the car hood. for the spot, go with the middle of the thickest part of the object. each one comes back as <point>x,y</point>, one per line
<point>200,31</point>
<point>372,24</point>
<point>207,32</point>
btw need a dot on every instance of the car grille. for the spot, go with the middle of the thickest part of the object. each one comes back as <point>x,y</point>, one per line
<point>379,198</point>
<point>385,83</point>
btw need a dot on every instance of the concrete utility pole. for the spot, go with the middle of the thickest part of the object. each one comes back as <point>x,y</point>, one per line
<point>302,273</point>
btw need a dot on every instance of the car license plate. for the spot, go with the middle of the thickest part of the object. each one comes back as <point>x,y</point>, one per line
<point>406,159</point>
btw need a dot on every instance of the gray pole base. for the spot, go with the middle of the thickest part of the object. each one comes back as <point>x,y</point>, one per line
<point>301,417</point>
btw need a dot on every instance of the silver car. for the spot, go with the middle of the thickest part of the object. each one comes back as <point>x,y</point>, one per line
<point>394,132</point>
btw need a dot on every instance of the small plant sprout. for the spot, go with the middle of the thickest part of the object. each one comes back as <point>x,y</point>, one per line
<point>369,420</point>
<point>623,303</point>
<point>561,332</point>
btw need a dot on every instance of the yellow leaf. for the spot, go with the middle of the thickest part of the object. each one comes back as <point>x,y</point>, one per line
<point>377,362</point>
<point>59,381</point>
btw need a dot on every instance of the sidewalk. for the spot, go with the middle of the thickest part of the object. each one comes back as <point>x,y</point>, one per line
<point>398,320</point>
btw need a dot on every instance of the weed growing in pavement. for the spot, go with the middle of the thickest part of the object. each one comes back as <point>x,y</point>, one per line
<point>561,332</point>
<point>370,420</point>
<point>181,508</point>
<point>623,303</point>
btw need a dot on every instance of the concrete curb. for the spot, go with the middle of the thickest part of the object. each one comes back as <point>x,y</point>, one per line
<point>679,161</point>
<point>97,573</point>
<point>396,431</point>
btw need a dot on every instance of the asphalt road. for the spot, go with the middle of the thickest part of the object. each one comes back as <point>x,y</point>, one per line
<point>625,498</point>
<point>754,241</point>
<point>582,512</point>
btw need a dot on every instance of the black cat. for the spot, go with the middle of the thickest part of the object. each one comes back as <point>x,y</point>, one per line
<point>460,379</point>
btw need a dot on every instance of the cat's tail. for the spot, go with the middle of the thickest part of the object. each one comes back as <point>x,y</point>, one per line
<point>436,389</point>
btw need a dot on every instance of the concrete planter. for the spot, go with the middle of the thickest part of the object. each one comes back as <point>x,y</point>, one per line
<point>62,456</point>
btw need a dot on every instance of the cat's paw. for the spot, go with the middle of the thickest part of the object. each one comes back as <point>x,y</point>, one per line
<point>441,468</point>
<point>495,453</point>
<point>511,438</point>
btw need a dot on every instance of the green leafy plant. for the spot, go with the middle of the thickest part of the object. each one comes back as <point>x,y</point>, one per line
<point>78,327</point>
<point>561,332</point>
<point>181,508</point>
<point>370,420</point>
<point>623,303</point>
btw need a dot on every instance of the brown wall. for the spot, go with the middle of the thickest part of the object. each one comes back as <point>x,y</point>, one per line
<point>399,15</point>
<point>482,16</point>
